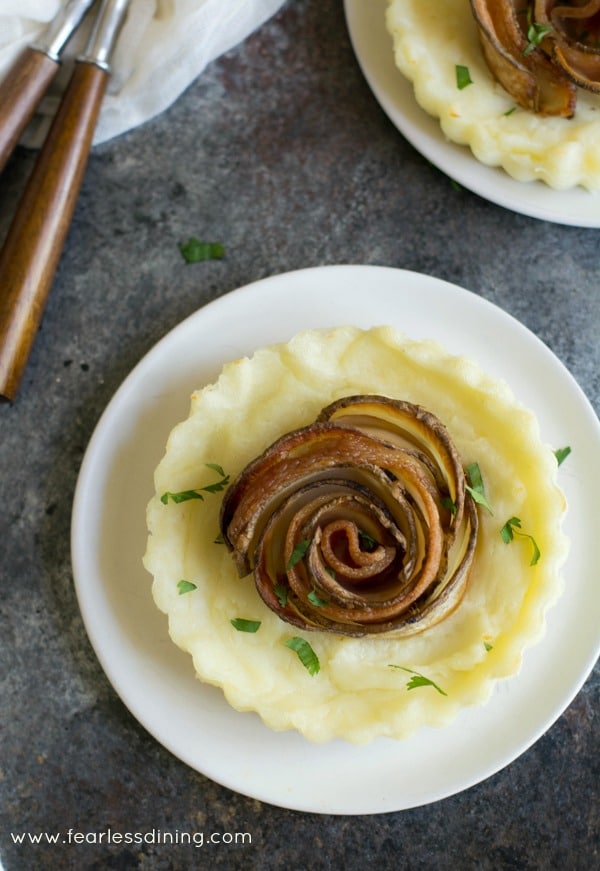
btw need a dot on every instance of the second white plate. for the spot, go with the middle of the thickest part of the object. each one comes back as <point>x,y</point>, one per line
<point>156,680</point>
<point>373,47</point>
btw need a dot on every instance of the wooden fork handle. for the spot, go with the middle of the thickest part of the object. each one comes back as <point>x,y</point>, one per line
<point>20,92</point>
<point>35,240</point>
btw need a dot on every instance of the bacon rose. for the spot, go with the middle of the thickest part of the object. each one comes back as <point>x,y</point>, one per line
<point>361,523</point>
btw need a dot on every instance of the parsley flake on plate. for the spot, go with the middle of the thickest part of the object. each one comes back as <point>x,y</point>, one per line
<point>305,653</point>
<point>561,454</point>
<point>475,487</point>
<point>195,251</point>
<point>419,680</point>
<point>463,77</point>
<point>197,493</point>
<point>243,625</point>
<point>511,528</point>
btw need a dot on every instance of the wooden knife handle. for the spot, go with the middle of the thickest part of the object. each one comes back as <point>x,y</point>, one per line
<point>35,240</point>
<point>20,92</point>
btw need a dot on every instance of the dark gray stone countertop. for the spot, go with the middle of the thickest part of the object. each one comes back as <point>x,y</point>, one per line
<point>280,151</point>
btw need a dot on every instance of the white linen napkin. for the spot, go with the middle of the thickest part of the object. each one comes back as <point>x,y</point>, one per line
<point>163,47</point>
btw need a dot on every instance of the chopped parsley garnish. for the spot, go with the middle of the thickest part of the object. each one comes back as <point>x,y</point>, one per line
<point>298,553</point>
<point>186,495</point>
<point>195,251</point>
<point>281,591</point>
<point>181,496</point>
<point>449,504</point>
<point>367,542</point>
<point>243,625</point>
<point>315,599</point>
<point>488,646</point>
<point>217,487</point>
<point>476,488</point>
<point>561,454</point>
<point>185,587</point>
<point>536,33</point>
<point>511,528</point>
<point>305,653</point>
<point>419,680</point>
<point>463,77</point>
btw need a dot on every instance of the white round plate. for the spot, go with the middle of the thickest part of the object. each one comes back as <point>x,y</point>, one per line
<point>156,680</point>
<point>374,51</point>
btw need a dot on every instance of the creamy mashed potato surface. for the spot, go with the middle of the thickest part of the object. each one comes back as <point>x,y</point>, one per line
<point>356,695</point>
<point>432,37</point>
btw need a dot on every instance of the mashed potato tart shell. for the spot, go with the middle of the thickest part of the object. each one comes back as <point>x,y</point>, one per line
<point>432,37</point>
<point>357,695</point>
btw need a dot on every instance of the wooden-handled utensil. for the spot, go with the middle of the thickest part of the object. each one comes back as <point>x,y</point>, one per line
<point>31,74</point>
<point>36,237</point>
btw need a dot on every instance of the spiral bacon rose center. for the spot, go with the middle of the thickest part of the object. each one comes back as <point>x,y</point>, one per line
<point>360,523</point>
